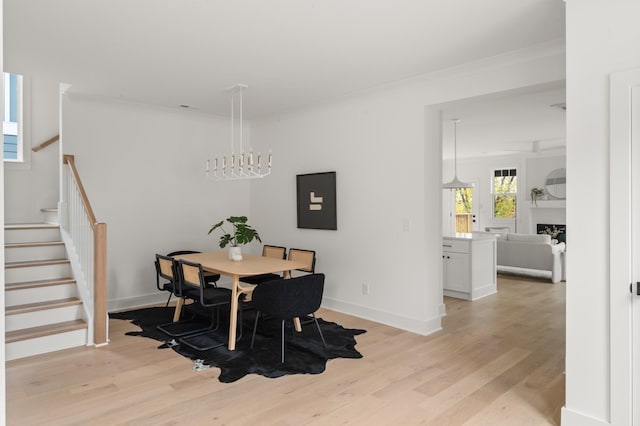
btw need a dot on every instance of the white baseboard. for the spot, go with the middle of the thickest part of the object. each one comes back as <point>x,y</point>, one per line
<point>573,418</point>
<point>423,328</point>
<point>137,302</point>
<point>443,310</point>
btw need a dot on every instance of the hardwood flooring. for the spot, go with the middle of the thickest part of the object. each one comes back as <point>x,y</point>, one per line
<point>497,361</point>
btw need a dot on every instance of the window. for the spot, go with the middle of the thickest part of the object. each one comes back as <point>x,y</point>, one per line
<point>505,189</point>
<point>13,149</point>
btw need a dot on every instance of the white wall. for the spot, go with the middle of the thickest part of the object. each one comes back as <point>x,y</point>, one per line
<point>33,186</point>
<point>602,36</point>
<point>389,168</point>
<point>143,170</point>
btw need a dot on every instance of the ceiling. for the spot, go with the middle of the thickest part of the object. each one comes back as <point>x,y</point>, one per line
<point>531,122</point>
<point>291,53</point>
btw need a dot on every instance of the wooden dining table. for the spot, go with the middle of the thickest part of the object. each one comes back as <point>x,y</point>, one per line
<point>218,262</point>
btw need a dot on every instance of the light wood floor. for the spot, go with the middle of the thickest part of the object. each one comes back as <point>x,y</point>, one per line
<point>498,361</point>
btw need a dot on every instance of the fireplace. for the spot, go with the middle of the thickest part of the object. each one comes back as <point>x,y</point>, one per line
<point>553,228</point>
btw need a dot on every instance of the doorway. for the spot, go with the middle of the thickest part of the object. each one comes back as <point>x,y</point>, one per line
<point>461,210</point>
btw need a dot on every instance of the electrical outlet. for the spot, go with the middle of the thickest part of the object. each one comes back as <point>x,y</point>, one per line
<point>365,289</point>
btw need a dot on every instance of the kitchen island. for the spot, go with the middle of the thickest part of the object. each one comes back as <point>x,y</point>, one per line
<point>469,265</point>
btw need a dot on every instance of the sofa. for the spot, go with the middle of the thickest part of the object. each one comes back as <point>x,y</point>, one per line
<point>533,252</point>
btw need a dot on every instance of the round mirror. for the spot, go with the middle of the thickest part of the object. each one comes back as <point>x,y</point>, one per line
<point>556,184</point>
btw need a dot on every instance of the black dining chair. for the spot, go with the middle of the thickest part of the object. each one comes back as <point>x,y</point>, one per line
<point>193,279</point>
<point>211,278</point>
<point>285,299</point>
<point>167,269</point>
<point>165,274</point>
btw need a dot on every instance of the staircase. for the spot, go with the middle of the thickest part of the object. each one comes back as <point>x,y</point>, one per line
<point>42,312</point>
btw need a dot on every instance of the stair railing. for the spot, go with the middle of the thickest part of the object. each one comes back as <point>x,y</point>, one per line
<point>46,143</point>
<point>86,242</point>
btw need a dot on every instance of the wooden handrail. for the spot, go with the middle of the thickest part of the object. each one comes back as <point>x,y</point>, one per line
<point>100,336</point>
<point>46,143</point>
<point>70,160</point>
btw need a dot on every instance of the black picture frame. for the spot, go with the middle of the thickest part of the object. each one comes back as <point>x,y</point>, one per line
<point>317,201</point>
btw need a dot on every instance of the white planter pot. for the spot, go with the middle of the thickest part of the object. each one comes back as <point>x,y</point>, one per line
<point>235,253</point>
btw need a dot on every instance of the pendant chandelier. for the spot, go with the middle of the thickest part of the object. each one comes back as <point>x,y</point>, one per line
<point>238,165</point>
<point>456,183</point>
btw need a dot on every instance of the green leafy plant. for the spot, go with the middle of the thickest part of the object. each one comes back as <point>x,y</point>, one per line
<point>243,233</point>
<point>536,193</point>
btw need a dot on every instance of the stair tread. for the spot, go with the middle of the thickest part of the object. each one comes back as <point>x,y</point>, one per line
<point>44,330</point>
<point>13,226</point>
<point>38,283</point>
<point>40,306</point>
<point>49,209</point>
<point>28,263</point>
<point>33,244</point>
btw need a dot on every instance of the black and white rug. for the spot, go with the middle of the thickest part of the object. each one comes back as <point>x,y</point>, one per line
<point>304,352</point>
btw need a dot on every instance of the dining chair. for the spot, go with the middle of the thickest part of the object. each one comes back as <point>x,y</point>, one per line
<point>193,278</point>
<point>211,277</point>
<point>164,271</point>
<point>166,268</point>
<point>285,299</point>
<point>276,252</point>
<point>306,256</point>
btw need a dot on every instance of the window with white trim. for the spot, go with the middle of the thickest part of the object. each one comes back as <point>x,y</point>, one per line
<point>13,146</point>
<point>505,193</point>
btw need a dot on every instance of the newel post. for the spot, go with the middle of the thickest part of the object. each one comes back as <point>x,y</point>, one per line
<point>100,285</point>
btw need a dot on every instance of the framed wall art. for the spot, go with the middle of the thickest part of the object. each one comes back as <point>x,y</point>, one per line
<point>317,201</point>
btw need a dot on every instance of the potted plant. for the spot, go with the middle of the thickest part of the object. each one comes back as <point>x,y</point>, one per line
<point>536,194</point>
<point>243,233</point>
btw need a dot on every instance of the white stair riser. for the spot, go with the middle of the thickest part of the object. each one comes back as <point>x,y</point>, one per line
<point>50,217</point>
<point>36,273</point>
<point>40,345</point>
<point>44,317</point>
<point>31,235</point>
<point>21,254</point>
<point>39,294</point>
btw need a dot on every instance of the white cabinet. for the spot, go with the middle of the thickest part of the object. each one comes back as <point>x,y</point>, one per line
<point>469,267</point>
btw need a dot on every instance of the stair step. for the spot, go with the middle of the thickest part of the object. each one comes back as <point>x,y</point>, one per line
<point>50,215</point>
<point>28,264</point>
<point>31,232</point>
<point>34,244</point>
<point>39,283</point>
<point>44,330</point>
<point>21,293</point>
<point>23,226</point>
<point>41,306</point>
<point>17,272</point>
<point>24,251</point>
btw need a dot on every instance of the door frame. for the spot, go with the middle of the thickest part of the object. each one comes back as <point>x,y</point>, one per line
<point>621,273</point>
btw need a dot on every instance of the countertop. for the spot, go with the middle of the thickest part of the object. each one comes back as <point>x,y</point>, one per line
<point>471,236</point>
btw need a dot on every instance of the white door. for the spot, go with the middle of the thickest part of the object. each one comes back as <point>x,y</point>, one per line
<point>625,248</point>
